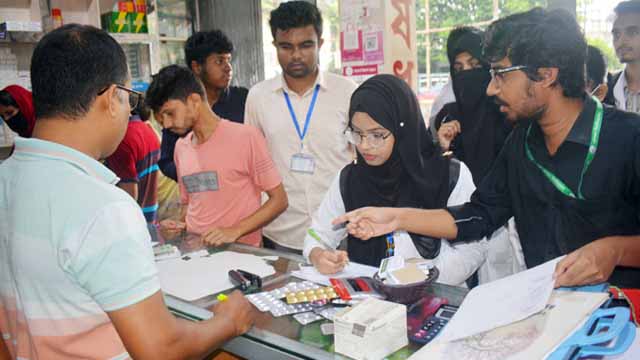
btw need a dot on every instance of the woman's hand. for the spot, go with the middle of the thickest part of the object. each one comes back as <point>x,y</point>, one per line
<point>447,132</point>
<point>368,222</point>
<point>328,262</point>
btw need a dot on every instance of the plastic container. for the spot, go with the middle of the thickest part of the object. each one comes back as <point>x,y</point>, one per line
<point>405,294</point>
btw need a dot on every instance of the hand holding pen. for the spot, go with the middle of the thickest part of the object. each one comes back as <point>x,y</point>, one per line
<point>328,260</point>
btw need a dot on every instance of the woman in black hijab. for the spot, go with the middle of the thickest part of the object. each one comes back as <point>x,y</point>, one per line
<point>472,127</point>
<point>474,130</point>
<point>397,165</point>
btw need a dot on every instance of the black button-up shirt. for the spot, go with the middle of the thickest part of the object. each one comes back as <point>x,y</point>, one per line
<point>550,223</point>
<point>229,106</point>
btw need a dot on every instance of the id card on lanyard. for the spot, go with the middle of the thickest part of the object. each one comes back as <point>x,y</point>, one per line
<point>593,147</point>
<point>301,162</point>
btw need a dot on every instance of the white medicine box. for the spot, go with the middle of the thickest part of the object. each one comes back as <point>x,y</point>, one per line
<point>371,330</point>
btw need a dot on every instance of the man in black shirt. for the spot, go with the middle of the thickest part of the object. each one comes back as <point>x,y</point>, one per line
<point>569,173</point>
<point>208,55</point>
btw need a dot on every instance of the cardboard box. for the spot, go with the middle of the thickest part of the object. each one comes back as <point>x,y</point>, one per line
<point>11,25</point>
<point>371,330</point>
<point>139,18</point>
<point>138,23</point>
<point>118,21</point>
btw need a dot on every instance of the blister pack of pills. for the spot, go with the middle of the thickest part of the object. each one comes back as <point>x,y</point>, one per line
<point>307,318</point>
<point>280,293</point>
<point>328,312</point>
<point>319,294</point>
<point>270,300</point>
<point>282,309</point>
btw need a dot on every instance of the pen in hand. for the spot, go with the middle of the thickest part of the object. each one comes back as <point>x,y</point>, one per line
<point>317,238</point>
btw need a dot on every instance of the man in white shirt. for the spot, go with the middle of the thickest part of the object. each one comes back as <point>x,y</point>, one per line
<point>303,114</point>
<point>624,87</point>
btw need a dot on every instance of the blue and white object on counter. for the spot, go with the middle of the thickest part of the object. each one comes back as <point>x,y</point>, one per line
<point>607,332</point>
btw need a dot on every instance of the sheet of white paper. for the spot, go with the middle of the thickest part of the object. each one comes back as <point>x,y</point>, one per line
<point>502,302</point>
<point>532,338</point>
<point>205,274</point>
<point>350,271</point>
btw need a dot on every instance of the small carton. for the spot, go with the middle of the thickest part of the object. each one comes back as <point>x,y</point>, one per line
<point>139,18</point>
<point>30,26</point>
<point>118,21</point>
<point>371,330</point>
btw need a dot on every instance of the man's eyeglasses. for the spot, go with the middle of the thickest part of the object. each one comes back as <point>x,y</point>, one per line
<point>134,96</point>
<point>498,74</point>
<point>374,139</point>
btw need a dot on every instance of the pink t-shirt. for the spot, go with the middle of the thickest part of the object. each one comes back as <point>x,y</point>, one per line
<point>221,180</point>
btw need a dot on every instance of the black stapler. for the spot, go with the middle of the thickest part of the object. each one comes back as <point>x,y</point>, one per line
<point>245,281</point>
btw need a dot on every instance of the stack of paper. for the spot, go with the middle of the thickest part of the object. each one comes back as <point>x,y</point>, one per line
<point>199,274</point>
<point>502,302</point>
<point>513,318</point>
<point>535,337</point>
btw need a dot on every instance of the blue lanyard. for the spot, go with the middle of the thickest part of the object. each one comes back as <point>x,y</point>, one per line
<point>309,112</point>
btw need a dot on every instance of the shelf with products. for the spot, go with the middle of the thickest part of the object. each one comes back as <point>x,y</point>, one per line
<point>71,11</point>
<point>168,39</point>
<point>125,38</point>
<point>19,10</point>
<point>168,25</point>
<point>20,30</point>
<point>172,52</point>
<point>174,20</point>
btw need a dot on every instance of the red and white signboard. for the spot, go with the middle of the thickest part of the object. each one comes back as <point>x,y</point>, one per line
<point>379,36</point>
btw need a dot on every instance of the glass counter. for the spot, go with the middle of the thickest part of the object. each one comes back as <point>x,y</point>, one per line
<point>281,337</point>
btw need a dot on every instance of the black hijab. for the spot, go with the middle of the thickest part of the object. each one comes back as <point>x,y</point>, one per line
<point>415,175</point>
<point>484,128</point>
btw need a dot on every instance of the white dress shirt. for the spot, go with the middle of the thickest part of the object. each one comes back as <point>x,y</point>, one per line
<point>267,109</point>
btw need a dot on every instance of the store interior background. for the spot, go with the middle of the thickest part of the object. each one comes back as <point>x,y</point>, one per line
<point>246,22</point>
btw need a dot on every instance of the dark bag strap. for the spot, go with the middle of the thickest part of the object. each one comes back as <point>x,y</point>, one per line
<point>612,80</point>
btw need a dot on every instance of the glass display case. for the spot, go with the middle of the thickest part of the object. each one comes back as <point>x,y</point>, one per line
<point>279,337</point>
<point>171,52</point>
<point>174,20</point>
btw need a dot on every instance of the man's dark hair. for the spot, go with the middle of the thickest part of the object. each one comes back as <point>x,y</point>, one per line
<point>540,38</point>
<point>173,82</point>
<point>142,110</point>
<point>627,7</point>
<point>6,99</point>
<point>204,43</point>
<point>70,66</point>
<point>596,66</point>
<point>295,14</point>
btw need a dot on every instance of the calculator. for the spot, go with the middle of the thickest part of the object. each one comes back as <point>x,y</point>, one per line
<point>432,325</point>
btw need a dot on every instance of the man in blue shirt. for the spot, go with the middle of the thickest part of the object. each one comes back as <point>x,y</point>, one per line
<point>208,55</point>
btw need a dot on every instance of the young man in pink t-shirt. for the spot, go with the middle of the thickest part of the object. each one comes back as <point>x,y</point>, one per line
<point>223,167</point>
